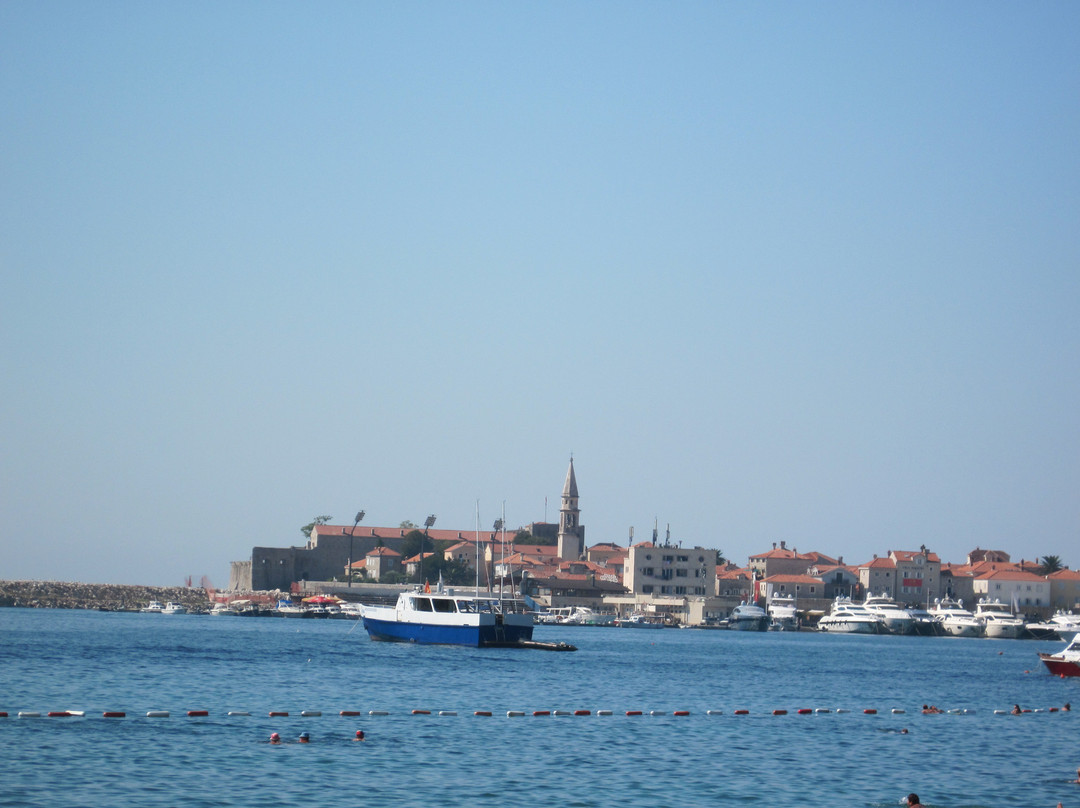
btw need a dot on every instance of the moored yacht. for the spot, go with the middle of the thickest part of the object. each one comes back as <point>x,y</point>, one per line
<point>845,617</point>
<point>783,615</point>
<point>925,624</point>
<point>748,617</point>
<point>998,620</point>
<point>895,618</point>
<point>154,607</point>
<point>955,619</point>
<point>172,607</point>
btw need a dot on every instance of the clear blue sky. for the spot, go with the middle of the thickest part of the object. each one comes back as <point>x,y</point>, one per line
<point>770,271</point>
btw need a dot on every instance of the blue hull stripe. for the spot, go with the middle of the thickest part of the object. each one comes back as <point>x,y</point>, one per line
<point>446,635</point>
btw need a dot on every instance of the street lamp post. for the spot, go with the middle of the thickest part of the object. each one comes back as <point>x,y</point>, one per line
<point>427,526</point>
<point>359,518</point>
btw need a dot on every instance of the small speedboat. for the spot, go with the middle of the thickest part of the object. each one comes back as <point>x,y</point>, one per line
<point>154,607</point>
<point>223,610</point>
<point>638,620</point>
<point>1066,662</point>
<point>172,607</point>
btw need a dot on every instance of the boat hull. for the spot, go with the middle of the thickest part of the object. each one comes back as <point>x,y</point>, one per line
<point>847,626</point>
<point>1059,666</point>
<point>489,634</point>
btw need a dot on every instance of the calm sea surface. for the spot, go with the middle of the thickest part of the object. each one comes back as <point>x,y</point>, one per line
<point>72,660</point>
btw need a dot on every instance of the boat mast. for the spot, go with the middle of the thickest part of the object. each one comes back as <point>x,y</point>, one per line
<point>477,548</point>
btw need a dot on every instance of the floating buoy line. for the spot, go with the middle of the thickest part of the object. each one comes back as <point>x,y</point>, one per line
<point>779,712</point>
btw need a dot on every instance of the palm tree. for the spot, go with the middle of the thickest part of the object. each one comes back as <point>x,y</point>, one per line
<point>1050,564</point>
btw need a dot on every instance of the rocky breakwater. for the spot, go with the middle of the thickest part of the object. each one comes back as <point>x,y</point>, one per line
<point>105,597</point>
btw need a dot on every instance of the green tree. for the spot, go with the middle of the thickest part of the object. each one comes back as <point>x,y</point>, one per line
<point>407,525</point>
<point>310,526</point>
<point>1050,564</point>
<point>720,560</point>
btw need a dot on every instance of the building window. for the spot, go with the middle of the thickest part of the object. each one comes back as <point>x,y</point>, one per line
<point>681,573</point>
<point>647,589</point>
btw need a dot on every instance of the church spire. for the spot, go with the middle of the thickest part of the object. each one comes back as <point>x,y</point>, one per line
<point>571,531</point>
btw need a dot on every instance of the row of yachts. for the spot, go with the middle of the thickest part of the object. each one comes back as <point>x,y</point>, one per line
<point>880,614</point>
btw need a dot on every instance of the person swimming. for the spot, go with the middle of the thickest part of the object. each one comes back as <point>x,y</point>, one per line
<point>359,735</point>
<point>275,738</point>
<point>304,738</point>
<point>913,801</point>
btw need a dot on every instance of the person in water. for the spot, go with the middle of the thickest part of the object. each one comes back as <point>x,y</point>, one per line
<point>304,738</point>
<point>913,801</point>
<point>1016,709</point>
<point>275,738</point>
<point>359,735</point>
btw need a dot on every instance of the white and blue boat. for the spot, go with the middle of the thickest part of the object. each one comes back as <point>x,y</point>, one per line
<point>448,618</point>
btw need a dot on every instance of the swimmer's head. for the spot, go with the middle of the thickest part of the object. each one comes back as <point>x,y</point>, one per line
<point>359,735</point>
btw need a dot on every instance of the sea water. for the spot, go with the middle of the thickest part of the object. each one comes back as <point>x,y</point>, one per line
<point>55,660</point>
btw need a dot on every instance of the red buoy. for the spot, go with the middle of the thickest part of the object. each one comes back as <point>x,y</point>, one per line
<point>541,712</point>
<point>633,712</point>
<point>349,712</point>
<point>197,713</point>
<point>277,714</point>
<point>113,714</point>
<point>742,712</point>
<point>779,712</point>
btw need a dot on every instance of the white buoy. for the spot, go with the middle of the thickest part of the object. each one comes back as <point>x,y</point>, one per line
<point>447,712</point>
<point>378,712</point>
<point>78,713</point>
<point>158,714</point>
<point>29,714</point>
<point>603,712</point>
<point>310,713</point>
<point>714,712</point>
<point>560,712</point>
<point>238,712</point>
<point>897,711</point>
<point>514,713</point>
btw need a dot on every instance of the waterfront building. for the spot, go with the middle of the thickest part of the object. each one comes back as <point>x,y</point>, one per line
<point>1020,589</point>
<point>838,579</point>
<point>798,586</point>
<point>1064,589</point>
<point>911,577</point>
<point>379,562</point>
<point>784,561</point>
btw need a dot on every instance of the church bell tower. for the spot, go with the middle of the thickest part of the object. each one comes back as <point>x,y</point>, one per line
<point>571,531</point>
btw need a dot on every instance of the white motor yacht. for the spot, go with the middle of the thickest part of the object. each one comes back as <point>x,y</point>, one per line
<point>998,620</point>
<point>783,615</point>
<point>154,607</point>
<point>223,610</point>
<point>845,617</point>
<point>895,618</point>
<point>955,619</point>
<point>172,607</point>
<point>748,617</point>
<point>1066,624</point>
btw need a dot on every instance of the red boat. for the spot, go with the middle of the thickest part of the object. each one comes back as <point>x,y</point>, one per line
<point>1067,663</point>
